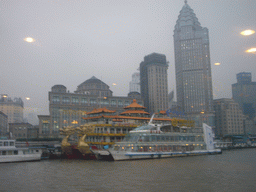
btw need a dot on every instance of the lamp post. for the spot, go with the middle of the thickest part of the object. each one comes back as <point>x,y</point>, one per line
<point>249,32</point>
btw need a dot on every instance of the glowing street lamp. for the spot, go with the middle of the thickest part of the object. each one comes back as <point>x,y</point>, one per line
<point>27,98</point>
<point>247,32</point>
<point>216,63</point>
<point>29,39</point>
<point>252,50</point>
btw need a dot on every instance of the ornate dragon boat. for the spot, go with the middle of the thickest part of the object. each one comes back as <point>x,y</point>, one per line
<point>80,149</point>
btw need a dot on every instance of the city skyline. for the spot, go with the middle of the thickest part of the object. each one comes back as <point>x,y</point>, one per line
<point>76,40</point>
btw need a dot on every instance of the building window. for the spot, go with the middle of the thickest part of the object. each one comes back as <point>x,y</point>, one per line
<point>84,101</point>
<point>56,99</point>
<point>45,128</point>
<point>120,103</point>
<point>66,100</point>
<point>127,103</point>
<point>75,100</point>
<point>93,101</point>
<point>113,102</point>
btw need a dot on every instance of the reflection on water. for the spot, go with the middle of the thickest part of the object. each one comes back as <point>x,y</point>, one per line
<point>232,171</point>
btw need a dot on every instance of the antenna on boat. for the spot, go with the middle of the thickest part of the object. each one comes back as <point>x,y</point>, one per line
<point>150,122</point>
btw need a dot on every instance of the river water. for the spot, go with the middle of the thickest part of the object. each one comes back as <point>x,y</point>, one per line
<point>233,170</point>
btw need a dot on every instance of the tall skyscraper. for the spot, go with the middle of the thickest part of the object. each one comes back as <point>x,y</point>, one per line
<point>153,82</point>
<point>192,67</point>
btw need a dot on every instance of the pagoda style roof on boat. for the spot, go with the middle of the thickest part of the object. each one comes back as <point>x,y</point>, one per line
<point>125,117</point>
<point>134,112</point>
<point>100,110</point>
<point>134,105</point>
<point>162,112</point>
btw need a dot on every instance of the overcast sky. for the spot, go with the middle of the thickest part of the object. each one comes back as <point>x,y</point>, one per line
<point>78,39</point>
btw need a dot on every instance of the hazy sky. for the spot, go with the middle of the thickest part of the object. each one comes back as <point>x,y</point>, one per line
<point>78,39</point>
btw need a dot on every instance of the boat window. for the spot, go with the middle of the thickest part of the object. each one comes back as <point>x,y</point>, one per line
<point>5,143</point>
<point>145,149</point>
<point>166,128</point>
<point>1,143</point>
<point>183,130</point>
<point>15,152</point>
<point>37,150</point>
<point>158,138</point>
<point>176,129</point>
<point>135,138</point>
<point>127,138</point>
<point>122,148</point>
<point>144,127</point>
<point>127,148</point>
<point>153,138</point>
<point>175,138</point>
<point>11,143</point>
<point>9,152</point>
<point>146,138</point>
<point>116,147</point>
<point>3,152</point>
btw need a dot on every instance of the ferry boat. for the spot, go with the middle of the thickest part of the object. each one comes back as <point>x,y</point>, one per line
<point>162,140</point>
<point>9,153</point>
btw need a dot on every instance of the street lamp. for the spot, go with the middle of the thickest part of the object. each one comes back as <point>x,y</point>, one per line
<point>29,39</point>
<point>251,50</point>
<point>247,32</point>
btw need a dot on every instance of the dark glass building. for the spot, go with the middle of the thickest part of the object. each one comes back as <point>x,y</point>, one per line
<point>244,93</point>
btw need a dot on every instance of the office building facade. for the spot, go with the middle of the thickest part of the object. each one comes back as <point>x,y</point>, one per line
<point>229,119</point>
<point>244,93</point>
<point>20,130</point>
<point>193,68</point>
<point>3,124</point>
<point>12,108</point>
<point>68,109</point>
<point>153,82</point>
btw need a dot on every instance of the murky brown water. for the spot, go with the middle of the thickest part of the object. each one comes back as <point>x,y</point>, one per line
<point>232,171</point>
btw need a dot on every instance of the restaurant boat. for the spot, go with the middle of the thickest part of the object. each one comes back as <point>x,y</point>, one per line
<point>9,153</point>
<point>162,140</point>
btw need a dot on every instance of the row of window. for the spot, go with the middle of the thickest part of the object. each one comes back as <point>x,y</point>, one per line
<point>6,143</point>
<point>9,152</point>
<point>103,101</point>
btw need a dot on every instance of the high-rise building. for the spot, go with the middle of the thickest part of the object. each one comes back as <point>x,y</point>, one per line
<point>153,82</point>
<point>244,93</point>
<point>135,83</point>
<point>12,108</point>
<point>192,67</point>
<point>229,119</point>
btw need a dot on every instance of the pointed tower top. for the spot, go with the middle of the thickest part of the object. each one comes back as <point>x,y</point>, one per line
<point>186,1</point>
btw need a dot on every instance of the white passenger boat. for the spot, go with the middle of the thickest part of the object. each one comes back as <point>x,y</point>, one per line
<point>9,153</point>
<point>159,141</point>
